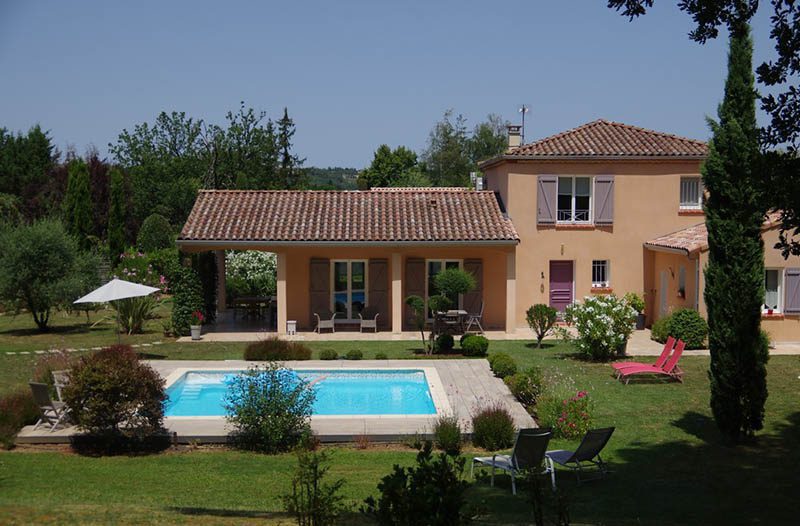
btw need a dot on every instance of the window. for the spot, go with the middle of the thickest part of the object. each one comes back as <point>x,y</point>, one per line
<point>773,288</point>
<point>682,281</point>
<point>574,199</point>
<point>349,288</point>
<point>691,193</point>
<point>600,274</point>
<point>434,266</point>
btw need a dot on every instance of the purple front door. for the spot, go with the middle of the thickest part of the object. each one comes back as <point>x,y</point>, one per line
<point>560,284</point>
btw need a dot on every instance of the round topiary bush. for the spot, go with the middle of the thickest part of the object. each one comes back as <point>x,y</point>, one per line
<point>354,354</point>
<point>328,354</point>
<point>444,344</point>
<point>493,428</point>
<point>660,330</point>
<point>502,365</point>
<point>526,386</point>
<point>689,326</point>
<point>474,345</point>
<point>154,234</point>
<point>381,356</point>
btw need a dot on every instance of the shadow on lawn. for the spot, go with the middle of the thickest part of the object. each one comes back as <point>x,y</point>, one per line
<point>545,345</point>
<point>351,517</point>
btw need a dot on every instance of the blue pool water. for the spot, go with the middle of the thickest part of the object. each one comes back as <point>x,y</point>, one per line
<point>362,392</point>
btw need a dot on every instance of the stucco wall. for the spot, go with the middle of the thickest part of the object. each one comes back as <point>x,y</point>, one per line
<point>670,265</point>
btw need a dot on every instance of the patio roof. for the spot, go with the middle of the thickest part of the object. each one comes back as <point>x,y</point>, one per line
<point>381,216</point>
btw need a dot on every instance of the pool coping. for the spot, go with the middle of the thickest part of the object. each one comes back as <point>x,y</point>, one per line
<point>441,404</point>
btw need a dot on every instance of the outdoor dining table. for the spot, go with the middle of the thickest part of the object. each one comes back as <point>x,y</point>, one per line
<point>253,306</point>
<point>453,320</point>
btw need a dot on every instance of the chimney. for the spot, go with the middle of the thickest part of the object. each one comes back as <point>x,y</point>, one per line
<point>514,136</point>
<point>477,180</point>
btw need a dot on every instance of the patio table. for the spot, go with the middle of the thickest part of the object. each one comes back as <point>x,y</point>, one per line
<point>253,306</point>
<point>451,321</point>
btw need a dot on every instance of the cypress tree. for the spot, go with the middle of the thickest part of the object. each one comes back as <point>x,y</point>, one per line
<point>734,289</point>
<point>116,215</point>
<point>78,203</point>
<point>289,173</point>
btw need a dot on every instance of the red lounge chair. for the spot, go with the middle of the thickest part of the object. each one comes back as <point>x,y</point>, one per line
<point>670,368</point>
<point>659,363</point>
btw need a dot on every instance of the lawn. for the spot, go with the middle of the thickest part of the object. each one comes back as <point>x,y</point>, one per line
<point>669,464</point>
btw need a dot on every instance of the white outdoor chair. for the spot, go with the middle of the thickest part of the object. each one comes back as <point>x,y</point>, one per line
<point>60,380</point>
<point>476,319</point>
<point>53,413</point>
<point>325,320</point>
<point>369,319</point>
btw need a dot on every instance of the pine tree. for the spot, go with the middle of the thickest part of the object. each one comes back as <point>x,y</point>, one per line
<point>288,172</point>
<point>78,203</point>
<point>735,273</point>
<point>116,215</point>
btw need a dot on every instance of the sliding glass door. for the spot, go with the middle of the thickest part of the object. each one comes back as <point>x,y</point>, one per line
<point>349,288</point>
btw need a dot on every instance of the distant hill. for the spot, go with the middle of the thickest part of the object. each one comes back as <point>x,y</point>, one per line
<point>331,178</point>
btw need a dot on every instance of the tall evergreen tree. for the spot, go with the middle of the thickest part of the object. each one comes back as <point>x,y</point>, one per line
<point>288,171</point>
<point>116,215</point>
<point>78,203</point>
<point>734,288</point>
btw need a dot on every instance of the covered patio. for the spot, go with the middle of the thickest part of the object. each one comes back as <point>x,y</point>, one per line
<point>358,252</point>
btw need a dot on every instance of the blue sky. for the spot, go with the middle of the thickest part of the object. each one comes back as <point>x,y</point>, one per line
<point>354,74</point>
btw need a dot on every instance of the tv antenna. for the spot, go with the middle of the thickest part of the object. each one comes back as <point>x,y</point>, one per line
<point>523,110</point>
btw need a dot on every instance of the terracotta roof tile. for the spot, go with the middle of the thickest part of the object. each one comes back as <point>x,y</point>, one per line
<point>385,215</point>
<point>602,138</point>
<point>695,238</point>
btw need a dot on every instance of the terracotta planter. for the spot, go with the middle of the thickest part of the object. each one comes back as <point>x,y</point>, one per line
<point>195,331</point>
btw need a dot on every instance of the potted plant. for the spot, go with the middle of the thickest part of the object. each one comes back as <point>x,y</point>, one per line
<point>637,302</point>
<point>197,324</point>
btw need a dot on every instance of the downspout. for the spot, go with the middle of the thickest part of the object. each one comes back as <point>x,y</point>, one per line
<point>697,283</point>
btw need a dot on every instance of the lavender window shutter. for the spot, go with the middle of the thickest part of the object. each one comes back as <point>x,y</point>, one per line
<point>546,199</point>
<point>604,199</point>
<point>791,304</point>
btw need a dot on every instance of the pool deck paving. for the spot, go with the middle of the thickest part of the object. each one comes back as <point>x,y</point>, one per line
<point>467,386</point>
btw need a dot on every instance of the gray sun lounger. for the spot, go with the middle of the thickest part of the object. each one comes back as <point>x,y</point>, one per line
<point>528,454</point>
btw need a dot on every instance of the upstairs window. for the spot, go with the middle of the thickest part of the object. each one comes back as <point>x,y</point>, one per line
<point>574,199</point>
<point>691,193</point>
<point>773,290</point>
<point>600,274</point>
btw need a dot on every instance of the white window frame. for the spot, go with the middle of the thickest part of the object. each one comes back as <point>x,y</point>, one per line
<point>691,205</point>
<point>351,318</point>
<point>596,284</point>
<point>590,212</point>
<point>444,262</point>
<point>779,308</point>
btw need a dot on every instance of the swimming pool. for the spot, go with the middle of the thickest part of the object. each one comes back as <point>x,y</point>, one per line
<point>338,392</point>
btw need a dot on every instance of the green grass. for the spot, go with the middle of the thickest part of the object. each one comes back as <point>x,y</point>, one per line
<point>669,463</point>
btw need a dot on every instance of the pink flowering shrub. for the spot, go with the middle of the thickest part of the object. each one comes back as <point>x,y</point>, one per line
<point>574,420</point>
<point>136,267</point>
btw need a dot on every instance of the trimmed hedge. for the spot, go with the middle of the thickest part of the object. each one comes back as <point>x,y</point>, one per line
<point>328,354</point>
<point>274,349</point>
<point>354,354</point>
<point>683,324</point>
<point>526,386</point>
<point>474,345</point>
<point>502,365</point>
<point>381,356</point>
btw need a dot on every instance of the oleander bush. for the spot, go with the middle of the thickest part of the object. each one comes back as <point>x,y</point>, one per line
<point>493,428</point>
<point>17,409</point>
<point>603,323</point>
<point>502,365</point>
<point>444,344</point>
<point>354,354</point>
<point>447,434</point>
<point>328,354</point>
<point>275,349</point>
<point>474,345</point>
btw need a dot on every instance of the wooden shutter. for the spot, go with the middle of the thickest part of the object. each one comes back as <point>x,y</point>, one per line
<point>414,285</point>
<point>319,286</point>
<point>472,300</point>
<point>604,199</point>
<point>791,283</point>
<point>546,200</point>
<point>379,290</point>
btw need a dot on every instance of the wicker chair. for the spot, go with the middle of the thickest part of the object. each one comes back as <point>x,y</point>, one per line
<point>369,319</point>
<point>325,320</point>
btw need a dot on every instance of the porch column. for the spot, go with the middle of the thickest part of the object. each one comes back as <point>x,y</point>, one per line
<point>281,293</point>
<point>222,303</point>
<point>397,294</point>
<point>511,292</point>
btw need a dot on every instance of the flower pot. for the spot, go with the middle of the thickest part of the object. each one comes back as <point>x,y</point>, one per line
<point>640,318</point>
<point>196,331</point>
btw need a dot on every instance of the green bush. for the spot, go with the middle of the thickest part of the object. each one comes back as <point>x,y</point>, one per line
<point>447,435</point>
<point>269,409</point>
<point>17,409</point>
<point>155,234</point>
<point>187,298</point>
<point>328,354</point>
<point>274,349</point>
<point>635,301</point>
<point>432,492</point>
<point>137,267</point>
<point>164,262</point>
<point>474,345</point>
<point>660,330</point>
<point>502,365</point>
<point>251,273</point>
<point>354,354</point>
<point>111,392</point>
<point>493,428</point>
<point>133,312</point>
<point>603,323</point>
<point>541,319</point>
<point>689,326</point>
<point>444,344</point>
<point>312,501</point>
<point>381,356</point>
<point>526,386</point>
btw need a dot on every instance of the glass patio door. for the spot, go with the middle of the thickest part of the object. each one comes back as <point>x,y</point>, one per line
<point>349,288</point>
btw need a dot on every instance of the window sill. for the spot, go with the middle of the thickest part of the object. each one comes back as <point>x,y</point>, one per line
<point>773,316</point>
<point>691,212</point>
<point>601,290</point>
<point>575,226</point>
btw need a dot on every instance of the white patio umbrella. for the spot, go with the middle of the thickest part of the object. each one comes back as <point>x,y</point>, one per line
<point>116,289</point>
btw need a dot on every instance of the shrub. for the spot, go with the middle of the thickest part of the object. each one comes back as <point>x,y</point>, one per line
<point>354,354</point>
<point>574,418</point>
<point>269,409</point>
<point>493,428</point>
<point>447,435</point>
<point>475,345</point>
<point>165,264</point>
<point>188,297</point>
<point>137,267</point>
<point>432,492</point>
<point>274,349</point>
<point>111,393</point>
<point>541,319</point>
<point>17,410</point>
<point>526,386</point>
<point>444,344</point>
<point>604,324</point>
<point>453,281</point>
<point>133,312</point>
<point>689,326</point>
<point>660,330</point>
<point>312,501</point>
<point>328,354</point>
<point>502,365</point>
<point>635,301</point>
<point>381,356</point>
<point>154,234</point>
<point>251,273</point>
